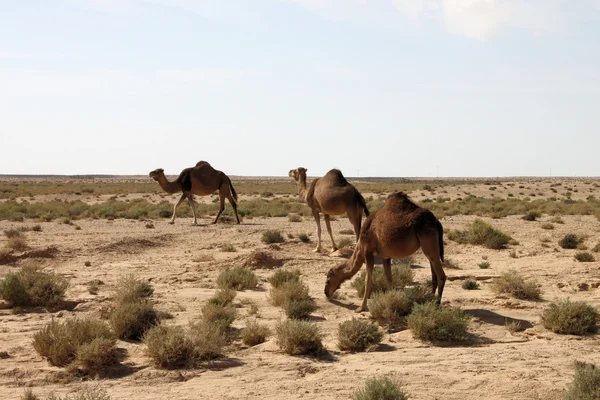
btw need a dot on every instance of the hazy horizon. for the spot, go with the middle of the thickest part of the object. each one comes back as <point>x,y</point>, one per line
<point>379,88</point>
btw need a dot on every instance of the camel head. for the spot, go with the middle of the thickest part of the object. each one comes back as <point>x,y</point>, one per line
<point>297,173</point>
<point>156,173</point>
<point>335,278</point>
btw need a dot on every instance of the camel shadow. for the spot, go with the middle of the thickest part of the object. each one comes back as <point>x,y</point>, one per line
<point>223,363</point>
<point>350,307</point>
<point>493,318</point>
<point>315,318</point>
<point>384,348</point>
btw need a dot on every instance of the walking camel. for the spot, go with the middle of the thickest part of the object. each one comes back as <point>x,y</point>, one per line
<point>201,180</point>
<point>395,230</point>
<point>330,195</point>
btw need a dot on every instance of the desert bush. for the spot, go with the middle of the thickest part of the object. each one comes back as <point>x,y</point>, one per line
<point>33,287</point>
<point>237,278</point>
<point>547,226</point>
<point>174,347</point>
<point>511,282</point>
<point>295,218</point>
<point>532,215</point>
<point>297,337</point>
<point>484,265</point>
<point>584,256</point>
<point>130,289</point>
<point>390,308</point>
<point>402,275</point>
<point>470,284</point>
<point>284,275</point>
<point>289,291</point>
<point>481,233</point>
<point>255,333</point>
<point>345,242</point>
<point>570,317</point>
<point>450,263</point>
<point>358,335</point>
<point>86,345</point>
<point>132,320</point>
<point>300,309</point>
<point>272,236</point>
<point>221,316</point>
<point>586,383</point>
<point>228,248</point>
<point>384,388</point>
<point>223,297</point>
<point>569,241</point>
<point>91,393</point>
<point>11,233</point>
<point>433,323</point>
<point>303,237</point>
<point>17,243</point>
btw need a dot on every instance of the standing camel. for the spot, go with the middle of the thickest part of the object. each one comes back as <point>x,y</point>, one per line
<point>201,180</point>
<point>330,195</point>
<point>395,230</point>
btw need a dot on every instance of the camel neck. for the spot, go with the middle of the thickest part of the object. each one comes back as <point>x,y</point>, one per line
<point>169,187</point>
<point>302,187</point>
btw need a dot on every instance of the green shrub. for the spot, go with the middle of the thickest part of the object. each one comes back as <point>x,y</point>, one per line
<point>284,275</point>
<point>481,233</point>
<point>299,309</point>
<point>286,292</point>
<point>298,337</point>
<point>255,333</point>
<point>380,389</point>
<point>484,265</point>
<point>62,342</point>
<point>511,282</point>
<point>569,241</point>
<point>303,237</point>
<point>532,215</point>
<point>237,278</point>
<point>390,308</point>
<point>586,383</point>
<point>584,256</point>
<point>272,236</point>
<point>432,323</point>
<point>218,315</point>
<point>130,289</point>
<point>358,335</point>
<point>470,284</point>
<point>402,275</point>
<point>570,317</point>
<point>132,320</point>
<point>223,297</point>
<point>33,287</point>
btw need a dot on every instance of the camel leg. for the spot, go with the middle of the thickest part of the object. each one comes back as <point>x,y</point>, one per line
<point>221,207</point>
<point>433,278</point>
<point>328,225</point>
<point>430,246</point>
<point>181,200</point>
<point>368,282</point>
<point>234,205</point>
<point>387,268</point>
<point>193,205</point>
<point>318,221</point>
<point>355,217</point>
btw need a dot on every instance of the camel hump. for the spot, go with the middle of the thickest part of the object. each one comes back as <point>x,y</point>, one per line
<point>400,201</point>
<point>201,162</point>
<point>335,176</point>
<point>185,179</point>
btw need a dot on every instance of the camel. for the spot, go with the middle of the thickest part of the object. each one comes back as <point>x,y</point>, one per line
<point>398,229</point>
<point>201,180</point>
<point>330,195</point>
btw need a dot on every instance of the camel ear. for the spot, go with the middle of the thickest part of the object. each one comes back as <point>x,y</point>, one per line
<point>161,170</point>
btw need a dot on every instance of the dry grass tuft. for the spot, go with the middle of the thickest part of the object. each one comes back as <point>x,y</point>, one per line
<point>33,287</point>
<point>290,293</point>
<point>584,256</point>
<point>299,337</point>
<point>223,297</point>
<point>272,236</point>
<point>93,393</point>
<point>586,383</point>
<point>237,278</point>
<point>132,320</point>
<point>511,282</point>
<point>358,335</point>
<point>380,389</point>
<point>255,333</point>
<point>569,241</point>
<point>17,243</point>
<point>470,284</point>
<point>130,289</point>
<point>284,275</point>
<point>433,323</point>
<point>571,317</point>
<point>402,275</point>
<point>220,316</point>
<point>390,308</point>
<point>481,233</point>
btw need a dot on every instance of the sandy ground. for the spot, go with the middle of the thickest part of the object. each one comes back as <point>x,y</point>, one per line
<point>494,364</point>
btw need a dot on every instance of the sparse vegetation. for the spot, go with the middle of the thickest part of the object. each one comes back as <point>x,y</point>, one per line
<point>481,233</point>
<point>470,284</point>
<point>130,289</point>
<point>586,383</point>
<point>284,275</point>
<point>584,256</point>
<point>358,335</point>
<point>571,317</point>
<point>569,241</point>
<point>17,243</point>
<point>547,226</point>
<point>218,315</point>
<point>384,388</point>
<point>132,320</point>
<point>237,278</point>
<point>295,218</point>
<point>484,265</point>
<point>297,337</point>
<point>292,295</point>
<point>90,393</point>
<point>228,248</point>
<point>512,283</point>
<point>432,323</point>
<point>272,236</point>
<point>31,286</point>
<point>532,215</point>
<point>223,297</point>
<point>303,237</point>
<point>402,275</point>
<point>255,333</point>
<point>390,308</point>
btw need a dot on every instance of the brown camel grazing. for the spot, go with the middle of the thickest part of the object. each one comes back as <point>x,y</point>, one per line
<point>395,230</point>
<point>330,195</point>
<point>201,180</point>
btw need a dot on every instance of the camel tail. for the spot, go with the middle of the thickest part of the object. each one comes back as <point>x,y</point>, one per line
<point>233,192</point>
<point>441,239</point>
<point>363,204</point>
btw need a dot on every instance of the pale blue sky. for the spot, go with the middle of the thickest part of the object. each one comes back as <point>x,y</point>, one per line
<point>257,87</point>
